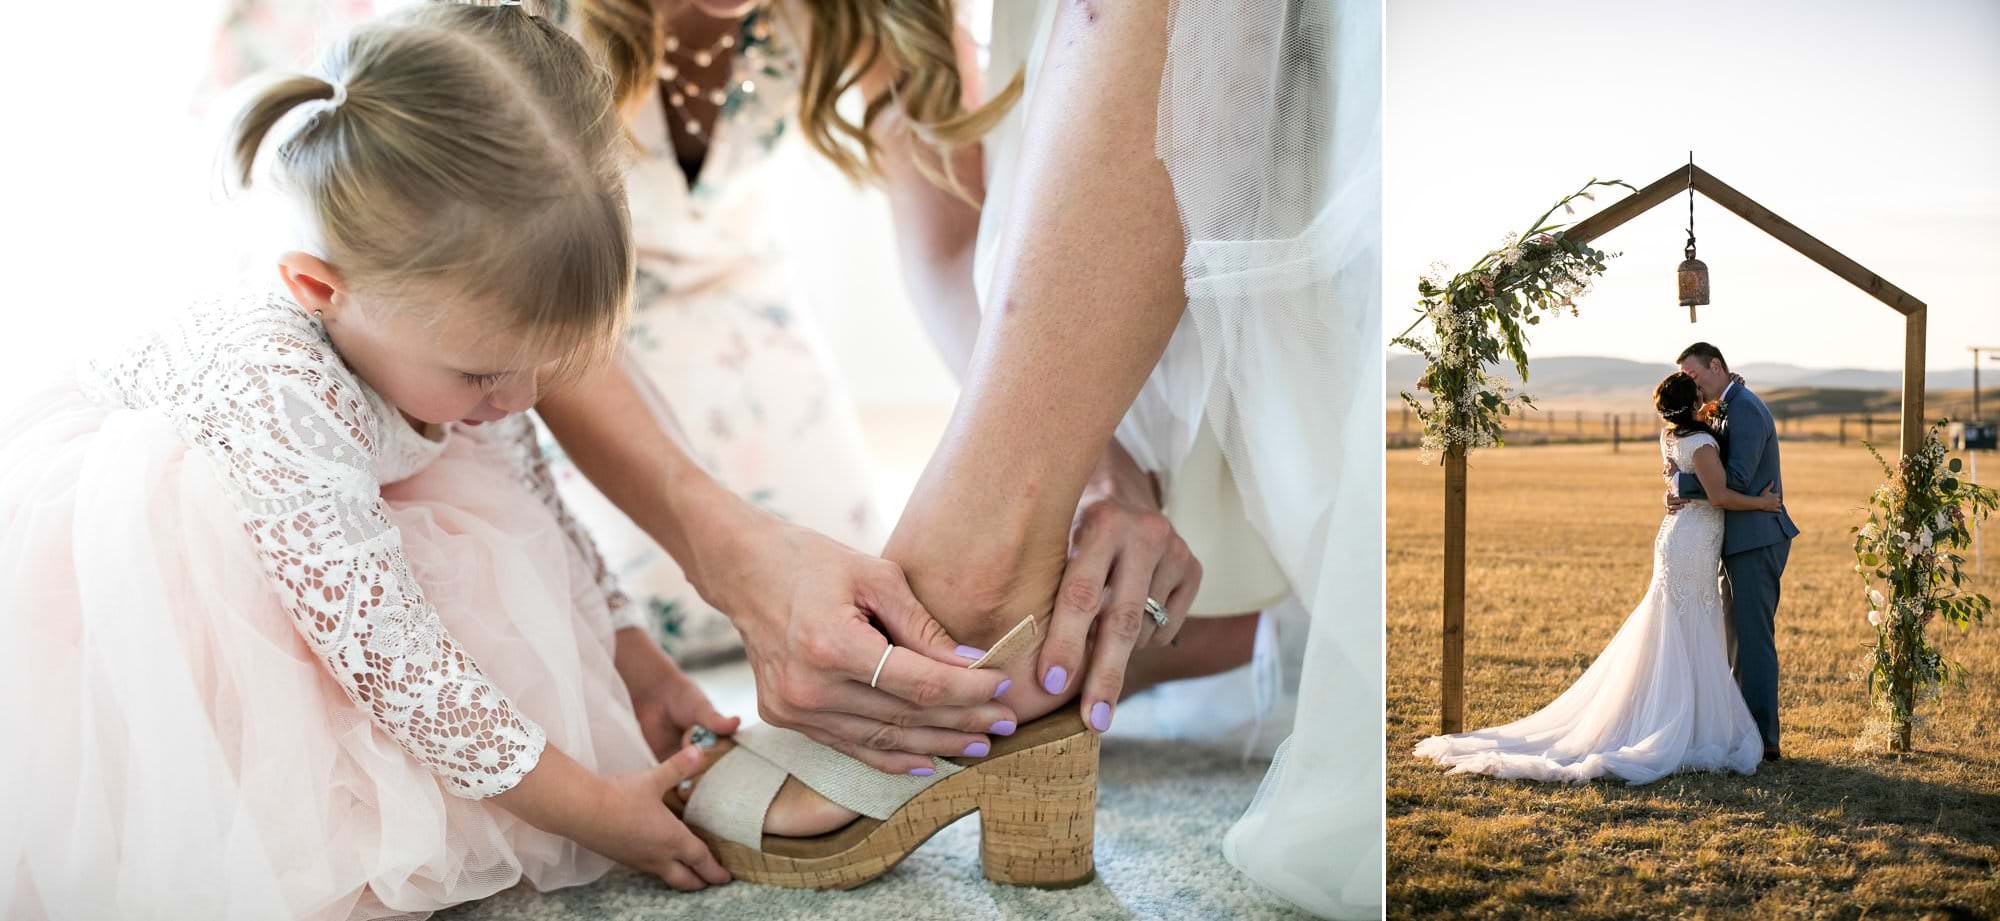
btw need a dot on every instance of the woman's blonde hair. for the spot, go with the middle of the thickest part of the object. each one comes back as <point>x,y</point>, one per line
<point>466,152</point>
<point>845,39</point>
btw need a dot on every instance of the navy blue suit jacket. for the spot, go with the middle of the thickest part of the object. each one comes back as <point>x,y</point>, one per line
<point>1750,459</point>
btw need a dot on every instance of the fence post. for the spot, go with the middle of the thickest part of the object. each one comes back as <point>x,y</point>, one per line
<point>1614,434</point>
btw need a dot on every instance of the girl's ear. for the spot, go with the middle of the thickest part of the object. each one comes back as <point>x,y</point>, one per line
<point>313,283</point>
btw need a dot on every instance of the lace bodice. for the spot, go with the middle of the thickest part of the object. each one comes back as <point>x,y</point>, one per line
<point>1679,449</point>
<point>1689,545</point>
<point>305,447</point>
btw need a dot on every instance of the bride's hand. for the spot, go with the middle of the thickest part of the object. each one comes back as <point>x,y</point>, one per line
<point>808,607</point>
<point>1122,552</point>
<point>666,701</point>
<point>1772,500</point>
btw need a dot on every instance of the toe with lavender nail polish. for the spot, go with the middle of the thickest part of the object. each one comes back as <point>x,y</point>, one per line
<point>1005,683</point>
<point>977,750</point>
<point>970,652</point>
<point>1003,728</point>
<point>922,772</point>
<point>1055,679</point>
<point>1100,716</point>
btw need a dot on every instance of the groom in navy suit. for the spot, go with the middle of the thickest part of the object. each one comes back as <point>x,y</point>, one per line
<point>1754,543</point>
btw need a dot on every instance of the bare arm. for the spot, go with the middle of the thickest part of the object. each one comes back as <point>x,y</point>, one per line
<point>805,604</point>
<point>1122,549</point>
<point>935,228</point>
<point>1714,482</point>
<point>1086,295</point>
<point>632,449</point>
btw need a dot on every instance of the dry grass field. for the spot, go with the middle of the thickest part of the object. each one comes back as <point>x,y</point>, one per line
<point>1560,550</point>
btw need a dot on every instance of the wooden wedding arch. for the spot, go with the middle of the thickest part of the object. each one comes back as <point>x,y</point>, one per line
<point>1625,209</point>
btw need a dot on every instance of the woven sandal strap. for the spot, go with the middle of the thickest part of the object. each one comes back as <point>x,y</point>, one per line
<point>736,792</point>
<point>732,796</point>
<point>836,776</point>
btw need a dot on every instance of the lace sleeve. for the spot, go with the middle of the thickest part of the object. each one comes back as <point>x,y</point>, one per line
<point>524,440</point>
<point>1684,447</point>
<point>294,435</point>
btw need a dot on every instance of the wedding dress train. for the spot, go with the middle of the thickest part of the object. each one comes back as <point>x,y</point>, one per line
<point>1658,700</point>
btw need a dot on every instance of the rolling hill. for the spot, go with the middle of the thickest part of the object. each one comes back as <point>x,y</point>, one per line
<point>1594,381</point>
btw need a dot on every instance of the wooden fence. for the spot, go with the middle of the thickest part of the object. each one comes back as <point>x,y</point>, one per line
<point>1566,426</point>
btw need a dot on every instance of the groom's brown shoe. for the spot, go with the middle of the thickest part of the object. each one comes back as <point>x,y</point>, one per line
<point>1771,754</point>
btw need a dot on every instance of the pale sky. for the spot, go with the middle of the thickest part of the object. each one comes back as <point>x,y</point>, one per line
<point>1872,126</point>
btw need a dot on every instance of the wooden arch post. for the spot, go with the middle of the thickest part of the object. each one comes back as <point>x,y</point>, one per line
<point>1618,212</point>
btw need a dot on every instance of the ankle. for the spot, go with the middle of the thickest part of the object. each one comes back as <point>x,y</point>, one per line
<point>1206,646</point>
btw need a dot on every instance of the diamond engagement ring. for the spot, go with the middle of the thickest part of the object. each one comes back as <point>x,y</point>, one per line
<point>1158,610</point>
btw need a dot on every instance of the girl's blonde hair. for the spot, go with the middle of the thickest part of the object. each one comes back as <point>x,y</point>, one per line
<point>845,39</point>
<point>466,152</point>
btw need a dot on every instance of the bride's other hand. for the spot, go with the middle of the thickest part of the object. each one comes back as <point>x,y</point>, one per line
<point>1123,551</point>
<point>666,701</point>
<point>1773,501</point>
<point>804,604</point>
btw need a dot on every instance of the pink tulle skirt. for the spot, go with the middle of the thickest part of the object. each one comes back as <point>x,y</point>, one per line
<point>173,749</point>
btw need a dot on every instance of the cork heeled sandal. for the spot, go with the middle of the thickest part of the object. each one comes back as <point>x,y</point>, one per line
<point>1036,795</point>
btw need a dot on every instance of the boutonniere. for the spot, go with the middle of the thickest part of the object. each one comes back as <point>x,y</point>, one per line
<point>1713,412</point>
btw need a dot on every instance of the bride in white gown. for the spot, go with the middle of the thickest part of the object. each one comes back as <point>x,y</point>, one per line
<point>1660,699</point>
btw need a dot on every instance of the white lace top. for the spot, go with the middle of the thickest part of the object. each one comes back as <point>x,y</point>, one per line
<point>1679,449</point>
<point>306,446</point>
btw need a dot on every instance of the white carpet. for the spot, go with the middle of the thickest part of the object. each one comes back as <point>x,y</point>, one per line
<point>1163,807</point>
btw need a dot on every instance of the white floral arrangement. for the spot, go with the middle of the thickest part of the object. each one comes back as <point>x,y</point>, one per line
<point>1909,556</point>
<point>1480,315</point>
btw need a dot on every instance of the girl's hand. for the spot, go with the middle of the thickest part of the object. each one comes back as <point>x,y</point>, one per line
<point>635,827</point>
<point>666,701</point>
<point>1772,500</point>
<point>625,818</point>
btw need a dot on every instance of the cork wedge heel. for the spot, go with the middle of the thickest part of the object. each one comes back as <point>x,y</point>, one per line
<point>1036,796</point>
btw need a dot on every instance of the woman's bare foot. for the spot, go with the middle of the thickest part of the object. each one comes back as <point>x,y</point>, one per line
<point>796,812</point>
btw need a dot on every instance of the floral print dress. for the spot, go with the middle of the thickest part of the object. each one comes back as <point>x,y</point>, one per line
<point>721,330</point>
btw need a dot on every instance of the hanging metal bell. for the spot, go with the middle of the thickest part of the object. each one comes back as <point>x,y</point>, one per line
<point>1693,281</point>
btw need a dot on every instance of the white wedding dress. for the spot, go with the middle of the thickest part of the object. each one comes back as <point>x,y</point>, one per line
<point>1659,699</point>
<point>1263,416</point>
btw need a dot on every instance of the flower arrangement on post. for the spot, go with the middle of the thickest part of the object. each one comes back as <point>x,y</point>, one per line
<point>1920,521</point>
<point>1481,314</point>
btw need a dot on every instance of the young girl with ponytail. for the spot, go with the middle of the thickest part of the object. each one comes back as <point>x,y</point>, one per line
<point>293,623</point>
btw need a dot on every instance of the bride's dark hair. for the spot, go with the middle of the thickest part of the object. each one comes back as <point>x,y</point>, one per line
<point>1678,400</point>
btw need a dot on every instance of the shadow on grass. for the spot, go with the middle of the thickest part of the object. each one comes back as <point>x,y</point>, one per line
<point>1716,842</point>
